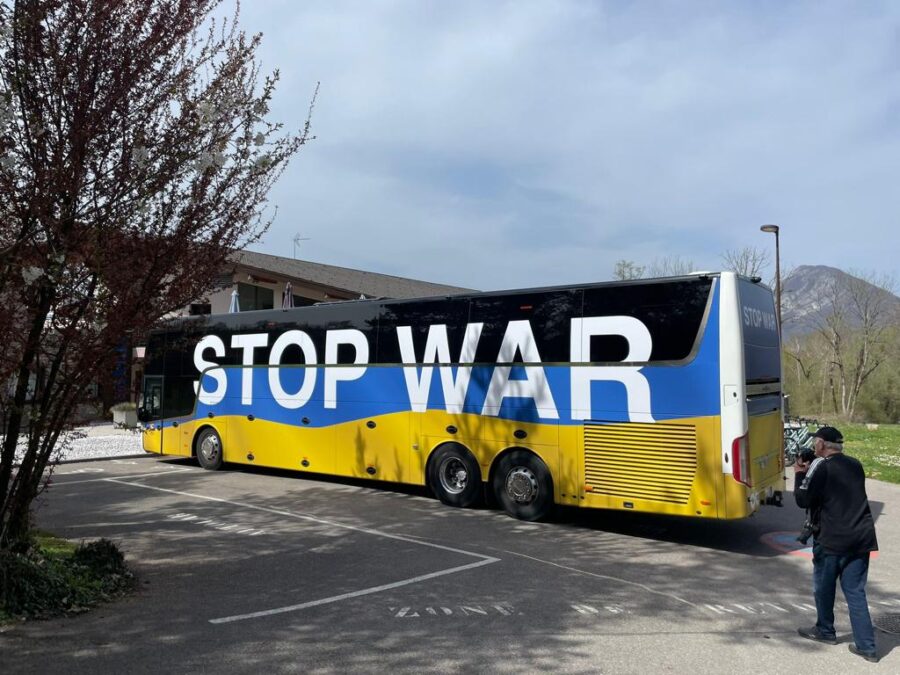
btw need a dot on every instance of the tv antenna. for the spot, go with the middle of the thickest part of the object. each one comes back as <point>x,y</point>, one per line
<point>297,240</point>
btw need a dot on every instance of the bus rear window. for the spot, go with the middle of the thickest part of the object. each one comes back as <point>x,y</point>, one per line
<point>762,357</point>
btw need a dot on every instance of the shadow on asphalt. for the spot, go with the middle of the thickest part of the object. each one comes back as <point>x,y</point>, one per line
<point>191,575</point>
<point>733,536</point>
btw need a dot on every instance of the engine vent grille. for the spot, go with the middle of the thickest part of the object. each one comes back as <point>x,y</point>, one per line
<point>641,461</point>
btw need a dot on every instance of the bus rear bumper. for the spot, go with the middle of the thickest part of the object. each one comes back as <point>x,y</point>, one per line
<point>767,497</point>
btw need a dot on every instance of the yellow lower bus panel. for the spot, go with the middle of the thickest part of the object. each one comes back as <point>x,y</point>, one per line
<point>670,467</point>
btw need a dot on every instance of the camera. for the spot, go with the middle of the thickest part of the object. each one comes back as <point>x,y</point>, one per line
<point>805,533</point>
<point>809,529</point>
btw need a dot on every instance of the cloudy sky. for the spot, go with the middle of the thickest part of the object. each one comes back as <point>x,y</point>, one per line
<point>499,144</point>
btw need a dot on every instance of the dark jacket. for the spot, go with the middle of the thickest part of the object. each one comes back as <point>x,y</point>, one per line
<point>836,494</point>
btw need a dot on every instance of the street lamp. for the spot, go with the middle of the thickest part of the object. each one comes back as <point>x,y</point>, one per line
<point>774,230</point>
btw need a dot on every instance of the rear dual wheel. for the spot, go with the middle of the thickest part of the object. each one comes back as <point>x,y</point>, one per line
<point>523,485</point>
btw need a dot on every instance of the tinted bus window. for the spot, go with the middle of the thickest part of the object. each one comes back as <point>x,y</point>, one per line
<point>672,311</point>
<point>762,361</point>
<point>549,313</point>
<point>419,316</point>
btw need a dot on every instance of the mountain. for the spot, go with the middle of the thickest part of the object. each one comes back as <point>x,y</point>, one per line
<point>807,298</point>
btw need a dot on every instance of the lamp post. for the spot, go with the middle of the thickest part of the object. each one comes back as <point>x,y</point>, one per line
<point>774,230</point>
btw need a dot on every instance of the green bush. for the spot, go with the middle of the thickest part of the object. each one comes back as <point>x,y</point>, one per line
<point>32,585</point>
<point>100,558</point>
<point>43,583</point>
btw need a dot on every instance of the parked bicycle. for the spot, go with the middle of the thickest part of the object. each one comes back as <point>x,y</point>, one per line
<point>798,437</point>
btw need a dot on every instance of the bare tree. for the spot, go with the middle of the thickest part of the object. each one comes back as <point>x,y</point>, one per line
<point>134,156</point>
<point>628,269</point>
<point>670,266</point>
<point>749,261</point>
<point>862,309</point>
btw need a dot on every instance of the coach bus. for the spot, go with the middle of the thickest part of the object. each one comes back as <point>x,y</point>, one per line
<point>659,395</point>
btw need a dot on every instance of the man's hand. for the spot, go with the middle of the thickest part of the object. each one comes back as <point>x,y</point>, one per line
<point>800,466</point>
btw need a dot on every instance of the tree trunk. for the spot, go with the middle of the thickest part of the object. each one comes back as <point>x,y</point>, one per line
<point>14,421</point>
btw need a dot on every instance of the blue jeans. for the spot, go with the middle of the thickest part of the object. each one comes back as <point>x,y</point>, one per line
<point>853,571</point>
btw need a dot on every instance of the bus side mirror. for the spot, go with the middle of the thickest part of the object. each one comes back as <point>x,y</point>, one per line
<point>142,415</point>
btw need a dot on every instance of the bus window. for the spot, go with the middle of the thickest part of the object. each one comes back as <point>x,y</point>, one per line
<point>762,362</point>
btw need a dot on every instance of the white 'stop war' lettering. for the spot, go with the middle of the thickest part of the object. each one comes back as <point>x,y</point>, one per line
<point>454,380</point>
<point>757,318</point>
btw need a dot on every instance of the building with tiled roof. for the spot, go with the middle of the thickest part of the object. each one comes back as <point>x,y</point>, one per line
<point>260,279</point>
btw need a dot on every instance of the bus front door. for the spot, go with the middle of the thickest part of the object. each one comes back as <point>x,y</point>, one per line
<point>151,413</point>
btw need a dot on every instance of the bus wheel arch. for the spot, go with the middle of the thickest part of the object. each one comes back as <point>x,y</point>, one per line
<point>522,484</point>
<point>454,475</point>
<point>207,448</point>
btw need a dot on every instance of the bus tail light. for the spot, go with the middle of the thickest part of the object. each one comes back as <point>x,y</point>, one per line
<point>740,459</point>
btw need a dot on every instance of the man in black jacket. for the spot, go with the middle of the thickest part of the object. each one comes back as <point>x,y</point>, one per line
<point>833,490</point>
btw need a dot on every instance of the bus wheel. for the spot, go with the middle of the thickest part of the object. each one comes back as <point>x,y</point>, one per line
<point>209,449</point>
<point>454,476</point>
<point>523,486</point>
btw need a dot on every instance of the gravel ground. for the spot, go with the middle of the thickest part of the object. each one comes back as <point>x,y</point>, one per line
<point>99,441</point>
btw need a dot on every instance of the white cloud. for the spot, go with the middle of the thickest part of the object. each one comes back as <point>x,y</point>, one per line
<point>524,143</point>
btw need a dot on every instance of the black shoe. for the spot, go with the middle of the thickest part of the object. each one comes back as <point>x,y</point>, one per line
<point>814,634</point>
<point>870,657</point>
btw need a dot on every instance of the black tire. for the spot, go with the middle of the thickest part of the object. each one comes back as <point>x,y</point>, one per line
<point>523,485</point>
<point>209,449</point>
<point>454,476</point>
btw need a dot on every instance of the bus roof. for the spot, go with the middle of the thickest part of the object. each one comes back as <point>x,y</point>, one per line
<point>278,314</point>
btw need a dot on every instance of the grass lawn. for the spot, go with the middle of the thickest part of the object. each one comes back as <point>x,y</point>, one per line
<point>878,449</point>
<point>54,547</point>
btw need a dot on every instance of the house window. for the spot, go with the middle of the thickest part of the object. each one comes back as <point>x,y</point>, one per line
<point>253,297</point>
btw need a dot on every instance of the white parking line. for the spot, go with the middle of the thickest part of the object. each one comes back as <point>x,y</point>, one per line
<point>167,472</point>
<point>482,559</point>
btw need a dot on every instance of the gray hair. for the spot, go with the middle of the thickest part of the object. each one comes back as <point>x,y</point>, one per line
<point>837,447</point>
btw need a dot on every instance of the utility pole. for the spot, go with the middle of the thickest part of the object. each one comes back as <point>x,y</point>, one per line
<point>774,229</point>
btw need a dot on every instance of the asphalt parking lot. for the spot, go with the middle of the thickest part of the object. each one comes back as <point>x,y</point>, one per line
<point>247,570</point>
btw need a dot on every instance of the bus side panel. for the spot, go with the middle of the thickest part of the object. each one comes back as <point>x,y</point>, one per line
<point>171,437</point>
<point>665,459</point>
<point>151,437</point>
<point>373,446</point>
<point>279,446</point>
<point>671,466</point>
<point>568,483</point>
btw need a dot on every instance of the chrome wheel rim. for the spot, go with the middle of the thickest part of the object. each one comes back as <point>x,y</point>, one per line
<point>521,485</point>
<point>453,475</point>
<point>209,448</point>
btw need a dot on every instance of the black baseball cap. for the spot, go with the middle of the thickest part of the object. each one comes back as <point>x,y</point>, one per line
<point>829,434</point>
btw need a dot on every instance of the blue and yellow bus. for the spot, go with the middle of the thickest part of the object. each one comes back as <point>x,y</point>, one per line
<point>660,395</point>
